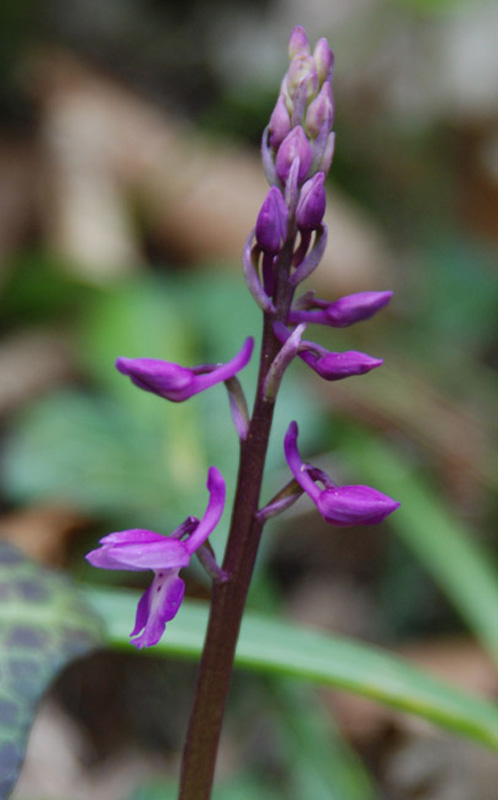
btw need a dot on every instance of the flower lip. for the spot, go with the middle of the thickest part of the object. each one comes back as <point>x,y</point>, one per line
<point>176,383</point>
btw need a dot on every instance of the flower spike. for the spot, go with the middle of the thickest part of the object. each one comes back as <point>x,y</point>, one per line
<point>339,505</point>
<point>177,383</point>
<point>139,550</point>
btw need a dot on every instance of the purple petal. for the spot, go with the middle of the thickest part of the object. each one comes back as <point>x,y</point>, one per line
<point>225,371</point>
<point>302,75</point>
<point>160,377</point>
<point>336,366</point>
<point>343,312</point>
<point>166,554</point>
<point>158,605</point>
<point>324,59</point>
<point>217,492</point>
<point>132,536</point>
<point>105,558</point>
<point>296,466</point>
<point>295,145</point>
<point>279,125</point>
<point>271,224</point>
<point>298,41</point>
<point>356,307</point>
<point>137,553</point>
<point>311,205</point>
<point>355,505</point>
<point>142,612</point>
<point>320,114</point>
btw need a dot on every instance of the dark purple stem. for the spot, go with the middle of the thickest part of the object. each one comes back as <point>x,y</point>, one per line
<point>228,598</point>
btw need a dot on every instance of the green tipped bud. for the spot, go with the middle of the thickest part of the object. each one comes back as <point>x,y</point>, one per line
<point>324,60</point>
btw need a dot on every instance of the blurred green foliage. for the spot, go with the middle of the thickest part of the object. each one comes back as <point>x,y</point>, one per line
<point>130,456</point>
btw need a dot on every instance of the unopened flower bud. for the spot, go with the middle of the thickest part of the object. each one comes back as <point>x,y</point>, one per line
<point>298,42</point>
<point>328,154</point>
<point>300,67</point>
<point>320,111</point>
<point>356,307</point>
<point>271,225</point>
<point>341,313</point>
<point>295,145</point>
<point>354,505</point>
<point>279,122</point>
<point>302,73</point>
<point>324,59</point>
<point>336,366</point>
<point>311,205</point>
<point>339,505</point>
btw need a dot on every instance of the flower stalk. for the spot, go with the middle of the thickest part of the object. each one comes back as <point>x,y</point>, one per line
<point>284,248</point>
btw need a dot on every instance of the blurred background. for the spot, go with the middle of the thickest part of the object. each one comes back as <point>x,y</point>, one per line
<point>129,179</point>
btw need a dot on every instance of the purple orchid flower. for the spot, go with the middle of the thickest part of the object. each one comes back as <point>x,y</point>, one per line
<point>329,365</point>
<point>339,505</point>
<point>342,312</point>
<point>137,550</point>
<point>177,383</point>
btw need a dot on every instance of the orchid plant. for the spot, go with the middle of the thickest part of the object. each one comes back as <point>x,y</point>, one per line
<point>284,248</point>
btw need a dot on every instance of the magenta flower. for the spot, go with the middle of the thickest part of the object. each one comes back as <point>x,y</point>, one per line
<point>336,366</point>
<point>295,145</point>
<point>279,125</point>
<point>342,312</point>
<point>330,365</point>
<point>177,383</point>
<point>298,42</point>
<point>137,550</point>
<point>271,224</point>
<point>320,111</point>
<point>324,59</point>
<point>339,505</point>
<point>311,205</point>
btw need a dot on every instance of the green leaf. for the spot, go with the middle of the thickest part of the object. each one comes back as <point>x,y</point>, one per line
<point>440,540</point>
<point>319,762</point>
<point>273,646</point>
<point>44,624</point>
